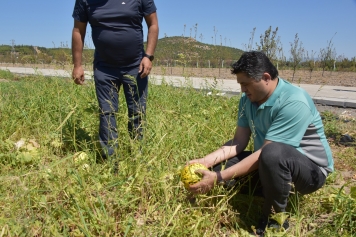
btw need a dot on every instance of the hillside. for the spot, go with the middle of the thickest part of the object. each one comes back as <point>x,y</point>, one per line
<point>188,52</point>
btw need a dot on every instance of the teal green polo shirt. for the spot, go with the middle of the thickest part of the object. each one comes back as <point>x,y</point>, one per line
<point>288,116</point>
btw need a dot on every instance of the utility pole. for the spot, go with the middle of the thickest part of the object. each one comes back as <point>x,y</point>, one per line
<point>13,51</point>
<point>12,46</point>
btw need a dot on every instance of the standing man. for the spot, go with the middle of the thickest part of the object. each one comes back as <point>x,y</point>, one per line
<point>119,59</point>
<point>290,146</point>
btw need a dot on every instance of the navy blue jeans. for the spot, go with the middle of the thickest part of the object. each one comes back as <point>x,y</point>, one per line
<point>280,166</point>
<point>108,81</point>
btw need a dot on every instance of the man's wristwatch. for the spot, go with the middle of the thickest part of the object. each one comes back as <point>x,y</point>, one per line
<point>150,57</point>
<point>219,180</point>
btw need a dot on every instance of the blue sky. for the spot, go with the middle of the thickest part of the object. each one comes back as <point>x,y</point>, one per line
<point>49,22</point>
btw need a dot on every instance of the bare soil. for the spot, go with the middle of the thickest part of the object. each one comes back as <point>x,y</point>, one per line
<point>333,78</point>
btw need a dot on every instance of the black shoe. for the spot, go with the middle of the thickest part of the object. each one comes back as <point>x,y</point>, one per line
<point>264,223</point>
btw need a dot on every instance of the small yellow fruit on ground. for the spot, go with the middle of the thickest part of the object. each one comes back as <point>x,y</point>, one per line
<point>188,175</point>
<point>86,167</point>
<point>80,156</point>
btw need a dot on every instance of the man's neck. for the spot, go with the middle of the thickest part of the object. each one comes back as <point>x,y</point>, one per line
<point>272,86</point>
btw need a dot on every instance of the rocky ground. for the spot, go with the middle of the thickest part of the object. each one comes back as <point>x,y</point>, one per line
<point>337,110</point>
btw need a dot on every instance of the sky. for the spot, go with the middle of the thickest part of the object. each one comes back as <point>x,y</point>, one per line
<point>49,23</point>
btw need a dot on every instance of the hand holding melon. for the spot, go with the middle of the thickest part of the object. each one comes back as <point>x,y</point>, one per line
<point>188,175</point>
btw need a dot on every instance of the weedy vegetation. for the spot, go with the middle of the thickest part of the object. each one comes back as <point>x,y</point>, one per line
<point>49,187</point>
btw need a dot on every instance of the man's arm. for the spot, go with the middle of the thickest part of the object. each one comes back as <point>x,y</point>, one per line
<point>229,149</point>
<point>244,167</point>
<point>78,36</point>
<point>152,37</point>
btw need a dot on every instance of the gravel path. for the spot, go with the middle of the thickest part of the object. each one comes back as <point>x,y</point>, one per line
<point>336,110</point>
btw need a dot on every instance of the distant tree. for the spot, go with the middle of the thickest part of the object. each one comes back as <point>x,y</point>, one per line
<point>281,58</point>
<point>44,58</point>
<point>62,57</point>
<point>345,64</point>
<point>201,37</point>
<point>195,31</point>
<point>327,55</point>
<point>269,43</point>
<point>297,53</point>
<point>310,62</point>
<point>249,47</point>
<point>88,56</point>
<point>215,32</point>
<point>341,62</point>
<point>183,59</point>
<point>27,59</point>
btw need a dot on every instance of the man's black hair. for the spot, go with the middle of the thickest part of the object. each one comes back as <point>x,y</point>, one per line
<point>254,64</point>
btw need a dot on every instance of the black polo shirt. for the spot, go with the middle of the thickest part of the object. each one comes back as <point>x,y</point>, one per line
<point>116,28</point>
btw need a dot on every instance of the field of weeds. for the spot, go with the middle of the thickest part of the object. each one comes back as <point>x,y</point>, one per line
<point>54,183</point>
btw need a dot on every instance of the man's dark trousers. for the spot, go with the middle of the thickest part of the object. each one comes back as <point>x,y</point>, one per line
<point>108,81</point>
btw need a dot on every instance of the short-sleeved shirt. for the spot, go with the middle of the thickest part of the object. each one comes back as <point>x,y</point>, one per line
<point>116,28</point>
<point>288,116</point>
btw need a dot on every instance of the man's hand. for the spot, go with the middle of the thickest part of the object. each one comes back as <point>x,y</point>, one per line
<point>78,75</point>
<point>145,67</point>
<point>205,184</point>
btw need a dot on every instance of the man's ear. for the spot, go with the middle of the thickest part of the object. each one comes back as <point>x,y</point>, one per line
<point>266,77</point>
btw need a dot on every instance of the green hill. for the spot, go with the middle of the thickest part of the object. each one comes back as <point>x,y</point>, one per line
<point>188,52</point>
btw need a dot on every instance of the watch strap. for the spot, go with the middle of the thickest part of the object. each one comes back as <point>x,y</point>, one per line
<point>219,178</point>
<point>150,57</point>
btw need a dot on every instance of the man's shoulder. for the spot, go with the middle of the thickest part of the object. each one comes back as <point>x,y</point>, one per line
<point>291,96</point>
<point>291,91</point>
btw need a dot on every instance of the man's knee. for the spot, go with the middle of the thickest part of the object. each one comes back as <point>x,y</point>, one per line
<point>107,113</point>
<point>271,153</point>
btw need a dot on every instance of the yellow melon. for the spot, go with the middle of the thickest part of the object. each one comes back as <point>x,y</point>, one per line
<point>188,175</point>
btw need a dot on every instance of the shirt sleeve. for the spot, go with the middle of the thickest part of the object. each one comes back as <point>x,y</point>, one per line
<point>242,120</point>
<point>148,7</point>
<point>79,12</point>
<point>290,123</point>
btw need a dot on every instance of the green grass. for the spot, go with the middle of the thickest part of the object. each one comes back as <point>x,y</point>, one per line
<point>45,192</point>
<point>6,74</point>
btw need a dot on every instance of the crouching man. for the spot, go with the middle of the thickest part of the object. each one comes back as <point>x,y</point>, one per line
<point>290,146</point>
